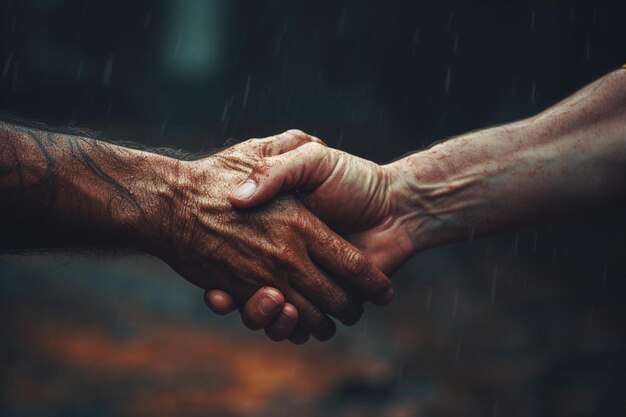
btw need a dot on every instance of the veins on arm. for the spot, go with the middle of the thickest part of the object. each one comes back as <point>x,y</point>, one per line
<point>40,174</point>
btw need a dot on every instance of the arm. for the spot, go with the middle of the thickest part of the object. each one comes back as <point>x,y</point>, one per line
<point>570,157</point>
<point>64,191</point>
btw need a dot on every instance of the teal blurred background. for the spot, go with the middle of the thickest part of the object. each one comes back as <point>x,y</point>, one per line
<point>528,324</point>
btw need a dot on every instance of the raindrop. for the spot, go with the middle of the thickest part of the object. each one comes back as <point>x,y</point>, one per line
<point>108,69</point>
<point>416,36</point>
<point>533,91</point>
<point>416,39</point>
<point>227,106</point>
<point>146,22</point>
<point>450,18</point>
<point>515,245</point>
<point>588,48</point>
<point>247,92</point>
<point>532,21</point>
<point>495,408</point>
<point>7,65</point>
<point>456,42</point>
<point>448,76</point>
<point>459,345</point>
<point>442,118</point>
<point>163,126</point>
<point>340,139</point>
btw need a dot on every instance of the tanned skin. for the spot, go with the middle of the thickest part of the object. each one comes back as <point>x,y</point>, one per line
<point>60,191</point>
<point>569,158</point>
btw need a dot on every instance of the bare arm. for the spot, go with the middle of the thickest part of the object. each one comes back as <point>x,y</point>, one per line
<point>62,191</point>
<point>570,157</point>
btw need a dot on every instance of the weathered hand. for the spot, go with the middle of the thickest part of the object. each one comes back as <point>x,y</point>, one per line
<point>282,244</point>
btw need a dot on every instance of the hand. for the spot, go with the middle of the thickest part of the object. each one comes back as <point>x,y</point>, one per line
<point>282,245</point>
<point>356,197</point>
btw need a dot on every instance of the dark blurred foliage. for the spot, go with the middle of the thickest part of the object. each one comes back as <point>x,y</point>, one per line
<point>530,324</point>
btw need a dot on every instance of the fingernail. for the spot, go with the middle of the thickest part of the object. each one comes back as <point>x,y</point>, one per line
<point>245,190</point>
<point>268,305</point>
<point>388,296</point>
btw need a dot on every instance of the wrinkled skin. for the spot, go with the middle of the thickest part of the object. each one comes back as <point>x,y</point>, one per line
<point>280,245</point>
<point>353,196</point>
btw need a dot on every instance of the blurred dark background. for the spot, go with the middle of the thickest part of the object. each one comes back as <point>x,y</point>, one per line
<point>529,324</point>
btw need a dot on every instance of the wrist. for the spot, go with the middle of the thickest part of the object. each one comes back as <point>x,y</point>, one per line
<point>147,220</point>
<point>420,192</point>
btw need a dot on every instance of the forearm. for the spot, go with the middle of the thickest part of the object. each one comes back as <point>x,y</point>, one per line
<point>570,157</point>
<point>61,191</point>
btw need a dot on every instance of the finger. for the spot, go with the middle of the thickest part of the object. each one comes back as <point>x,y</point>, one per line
<point>262,308</point>
<point>305,167</point>
<point>311,318</point>
<point>342,259</point>
<point>299,336</point>
<point>283,326</point>
<point>328,296</point>
<point>219,301</point>
<point>287,141</point>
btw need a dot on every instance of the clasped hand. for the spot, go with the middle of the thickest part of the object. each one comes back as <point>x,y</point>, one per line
<point>306,268</point>
<point>302,270</point>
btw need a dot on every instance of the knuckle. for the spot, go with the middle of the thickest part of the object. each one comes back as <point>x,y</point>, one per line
<point>287,258</point>
<point>263,167</point>
<point>312,147</point>
<point>298,133</point>
<point>301,220</point>
<point>251,142</point>
<point>355,263</point>
<point>313,315</point>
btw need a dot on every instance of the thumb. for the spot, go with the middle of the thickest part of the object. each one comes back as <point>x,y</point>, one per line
<point>305,167</point>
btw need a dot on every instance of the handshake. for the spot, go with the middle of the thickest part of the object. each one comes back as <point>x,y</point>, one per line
<point>321,250</point>
<point>292,231</point>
